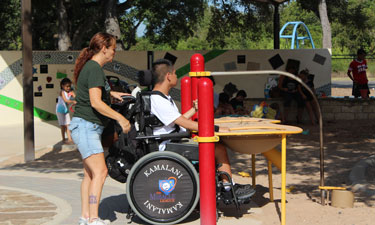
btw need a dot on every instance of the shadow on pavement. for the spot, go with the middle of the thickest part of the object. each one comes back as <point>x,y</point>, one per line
<point>61,159</point>
<point>112,205</point>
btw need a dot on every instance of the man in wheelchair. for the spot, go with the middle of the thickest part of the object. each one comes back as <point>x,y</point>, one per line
<point>164,108</point>
<point>158,166</point>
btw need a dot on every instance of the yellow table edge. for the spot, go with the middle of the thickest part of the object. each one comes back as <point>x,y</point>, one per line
<point>258,133</point>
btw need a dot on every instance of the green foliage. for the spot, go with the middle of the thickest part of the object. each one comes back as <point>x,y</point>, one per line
<point>352,23</point>
<point>356,29</point>
<point>168,21</point>
<point>294,12</point>
<point>195,24</point>
<point>144,44</point>
<point>234,23</point>
<point>10,22</point>
<point>196,41</point>
<point>43,31</point>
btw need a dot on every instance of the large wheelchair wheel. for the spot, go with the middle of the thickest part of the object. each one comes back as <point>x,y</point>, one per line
<point>163,188</point>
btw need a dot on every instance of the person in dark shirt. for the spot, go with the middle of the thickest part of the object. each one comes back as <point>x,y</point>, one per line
<point>230,89</point>
<point>289,92</point>
<point>92,113</point>
<point>307,97</point>
<point>237,103</point>
<point>224,107</point>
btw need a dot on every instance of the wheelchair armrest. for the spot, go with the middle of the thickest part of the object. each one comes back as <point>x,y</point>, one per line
<point>189,151</point>
<point>179,135</point>
<point>127,99</point>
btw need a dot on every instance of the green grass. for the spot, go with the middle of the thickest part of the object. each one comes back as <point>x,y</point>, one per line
<point>340,67</point>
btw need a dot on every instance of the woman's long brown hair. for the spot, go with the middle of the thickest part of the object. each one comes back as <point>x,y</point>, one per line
<point>96,44</point>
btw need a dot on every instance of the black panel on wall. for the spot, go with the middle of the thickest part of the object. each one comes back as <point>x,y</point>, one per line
<point>292,63</point>
<point>170,57</point>
<point>276,61</point>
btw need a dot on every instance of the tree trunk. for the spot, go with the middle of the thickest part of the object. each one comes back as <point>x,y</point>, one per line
<point>326,26</point>
<point>64,43</point>
<point>78,35</point>
<point>111,22</point>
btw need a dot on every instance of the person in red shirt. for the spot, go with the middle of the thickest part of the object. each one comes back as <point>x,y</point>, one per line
<point>358,68</point>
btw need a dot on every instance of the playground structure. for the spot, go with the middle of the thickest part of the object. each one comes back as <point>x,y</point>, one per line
<point>172,189</point>
<point>294,37</point>
<point>256,133</point>
<point>226,74</point>
<point>198,72</point>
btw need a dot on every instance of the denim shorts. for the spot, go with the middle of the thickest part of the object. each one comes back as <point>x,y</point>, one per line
<point>87,136</point>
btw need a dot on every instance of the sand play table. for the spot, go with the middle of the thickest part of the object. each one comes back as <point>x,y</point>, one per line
<point>254,135</point>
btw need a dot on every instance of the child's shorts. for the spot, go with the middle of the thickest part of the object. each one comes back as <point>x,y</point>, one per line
<point>64,119</point>
<point>87,136</point>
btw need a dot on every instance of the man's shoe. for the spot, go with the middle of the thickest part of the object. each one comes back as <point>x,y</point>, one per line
<point>243,192</point>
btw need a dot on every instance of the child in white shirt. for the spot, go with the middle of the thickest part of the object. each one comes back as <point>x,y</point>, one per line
<point>65,99</point>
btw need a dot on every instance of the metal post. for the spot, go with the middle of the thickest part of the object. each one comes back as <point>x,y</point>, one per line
<point>150,59</point>
<point>206,152</point>
<point>253,172</point>
<point>276,27</point>
<point>28,95</point>
<point>283,179</point>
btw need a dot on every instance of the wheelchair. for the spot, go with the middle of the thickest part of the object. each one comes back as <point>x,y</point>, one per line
<point>162,186</point>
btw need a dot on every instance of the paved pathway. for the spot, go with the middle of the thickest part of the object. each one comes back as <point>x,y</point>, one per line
<point>348,84</point>
<point>47,190</point>
<point>38,200</point>
<point>60,195</point>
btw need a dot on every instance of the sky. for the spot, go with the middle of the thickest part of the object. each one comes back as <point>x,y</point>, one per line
<point>141,27</point>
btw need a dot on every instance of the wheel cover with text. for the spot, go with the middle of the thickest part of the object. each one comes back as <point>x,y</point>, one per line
<point>163,188</point>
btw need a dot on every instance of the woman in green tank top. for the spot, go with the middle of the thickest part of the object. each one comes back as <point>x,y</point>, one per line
<point>92,113</point>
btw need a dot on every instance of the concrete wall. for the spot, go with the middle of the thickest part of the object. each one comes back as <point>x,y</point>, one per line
<point>51,66</point>
<point>332,109</point>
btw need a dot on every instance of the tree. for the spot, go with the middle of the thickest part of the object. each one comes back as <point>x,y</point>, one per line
<point>111,22</point>
<point>324,10</point>
<point>10,21</point>
<point>243,17</point>
<point>169,21</point>
<point>326,26</point>
<point>294,12</point>
<point>64,41</point>
<point>166,21</point>
<point>352,22</point>
<point>187,24</point>
<point>356,29</point>
<point>44,20</point>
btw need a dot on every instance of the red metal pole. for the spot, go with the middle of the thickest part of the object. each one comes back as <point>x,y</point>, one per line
<point>196,65</point>
<point>206,152</point>
<point>194,93</point>
<point>186,102</point>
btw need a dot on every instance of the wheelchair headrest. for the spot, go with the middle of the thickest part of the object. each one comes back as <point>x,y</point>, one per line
<point>145,77</point>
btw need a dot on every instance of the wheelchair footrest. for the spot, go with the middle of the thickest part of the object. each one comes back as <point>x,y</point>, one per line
<point>237,197</point>
<point>230,197</point>
<point>228,193</point>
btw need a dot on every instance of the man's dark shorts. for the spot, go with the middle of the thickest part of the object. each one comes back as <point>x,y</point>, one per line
<point>356,91</point>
